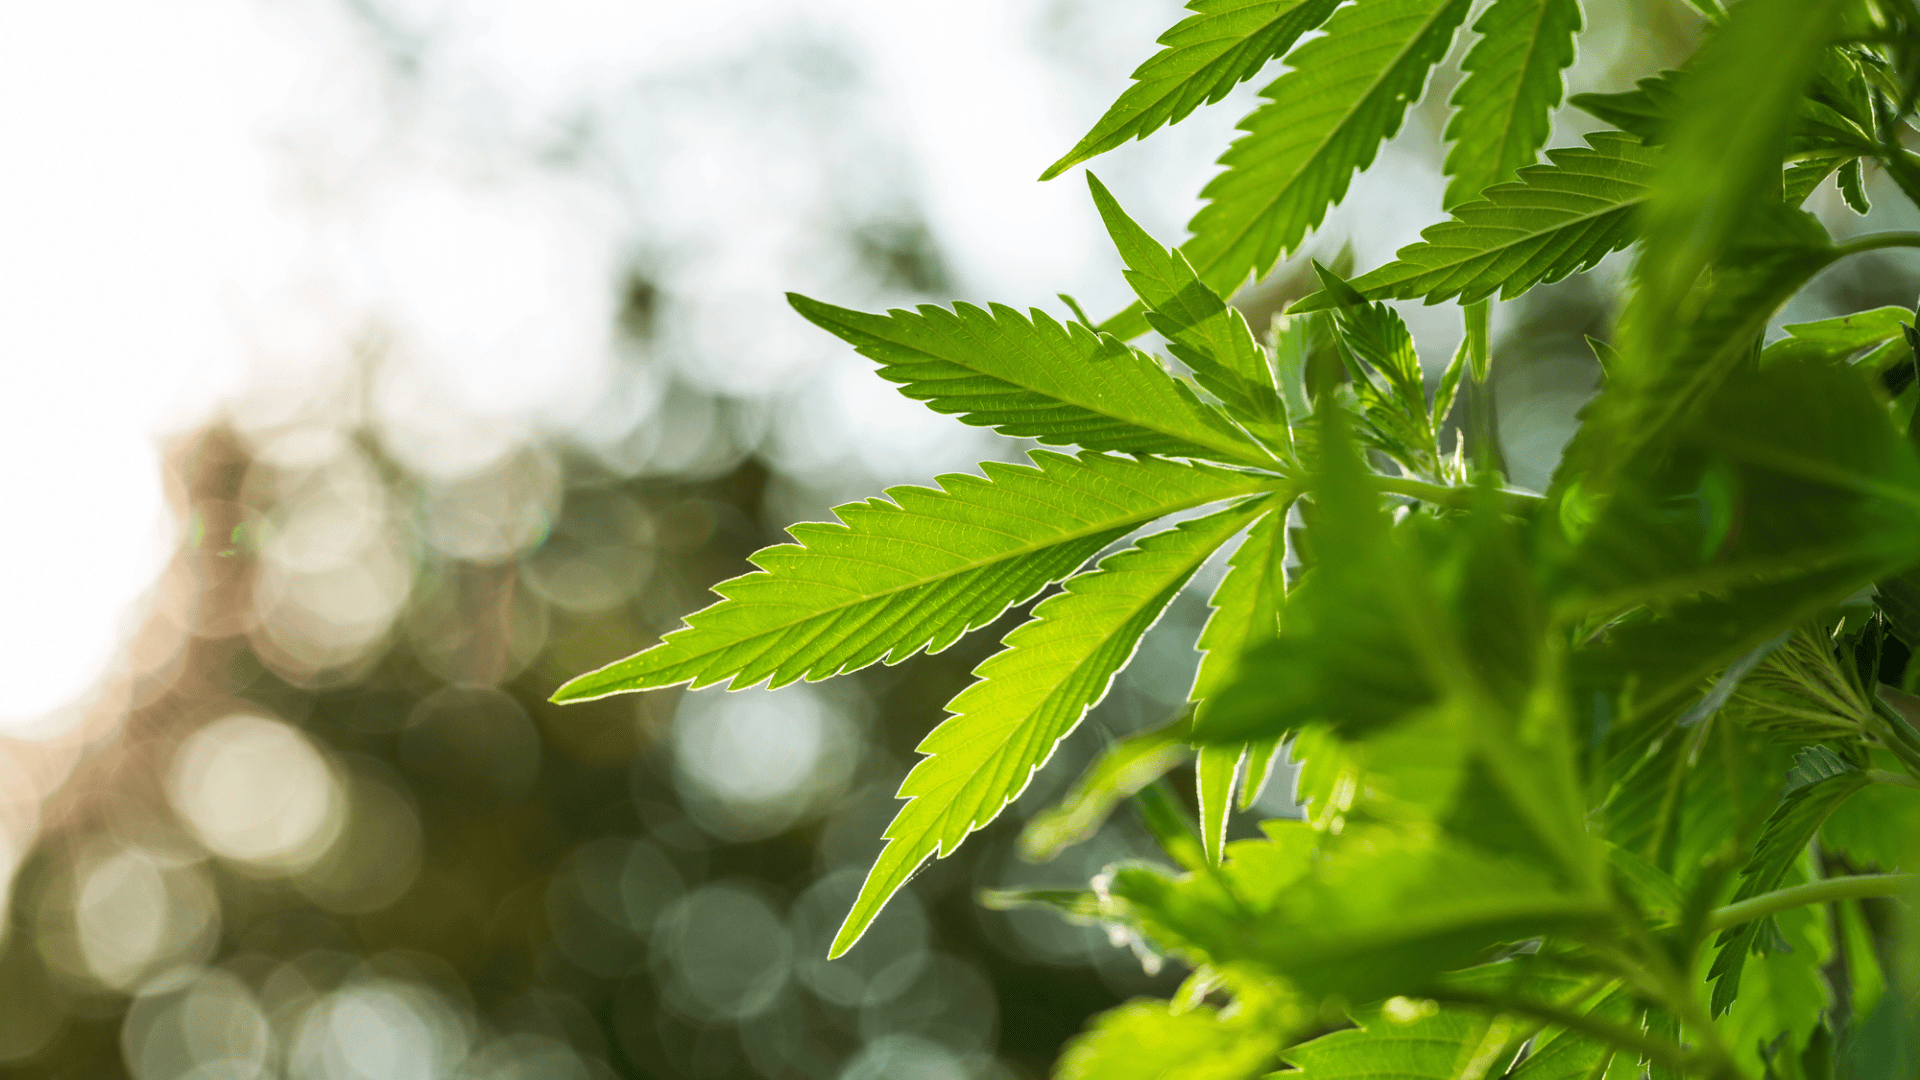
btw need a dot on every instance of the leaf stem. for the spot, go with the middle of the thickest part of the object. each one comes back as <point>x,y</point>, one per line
<point>1455,498</point>
<point>1882,776</point>
<point>1854,887</point>
<point>1673,1057</point>
<point>1876,242</point>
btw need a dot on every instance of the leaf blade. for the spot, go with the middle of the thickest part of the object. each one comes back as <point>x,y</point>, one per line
<point>1347,93</point>
<point>1029,696</point>
<point>1030,376</point>
<point>1224,43</point>
<point>1514,80</point>
<point>954,557</point>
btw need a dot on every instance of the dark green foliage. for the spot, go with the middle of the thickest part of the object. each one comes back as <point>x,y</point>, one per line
<point>1565,759</point>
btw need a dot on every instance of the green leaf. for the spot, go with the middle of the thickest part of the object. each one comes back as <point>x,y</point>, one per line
<point>1146,1040</point>
<point>1417,1045</point>
<point>1386,381</point>
<point>1225,43</point>
<point>892,578</point>
<point>1504,106</point>
<point>1122,769</point>
<point>1559,1054</point>
<point>1371,912</point>
<point>1783,993</point>
<point>1818,783</point>
<point>1029,696</point>
<point>1558,218</point>
<point>1645,112</point>
<point>1789,470</point>
<point>1346,94</point>
<point>1723,153</point>
<point>1836,339</point>
<point>1035,378</point>
<point>1660,382</point>
<point>1202,331</point>
<point>1246,612</point>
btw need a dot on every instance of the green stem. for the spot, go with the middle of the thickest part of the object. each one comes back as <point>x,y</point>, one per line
<point>1855,887</point>
<point>1875,242</point>
<point>1515,500</point>
<point>1673,1057</point>
<point>1882,776</point>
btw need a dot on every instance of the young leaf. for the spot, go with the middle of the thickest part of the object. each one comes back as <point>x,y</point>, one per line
<point>1503,108</point>
<point>1346,94</point>
<point>1035,378</point>
<point>1246,612</point>
<point>1029,696</point>
<point>1201,329</point>
<point>892,578</point>
<point>1558,218</point>
<point>1225,43</point>
<point>1818,783</point>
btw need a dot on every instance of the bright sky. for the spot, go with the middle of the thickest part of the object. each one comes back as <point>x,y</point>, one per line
<point>159,253</point>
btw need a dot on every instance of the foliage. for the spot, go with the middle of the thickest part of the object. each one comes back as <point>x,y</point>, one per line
<point>1582,771</point>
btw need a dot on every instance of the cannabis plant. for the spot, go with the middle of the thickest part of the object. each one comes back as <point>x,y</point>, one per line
<point>1609,780</point>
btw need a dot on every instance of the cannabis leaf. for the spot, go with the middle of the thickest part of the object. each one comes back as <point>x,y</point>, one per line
<point>1033,377</point>
<point>1029,696</point>
<point>892,578</point>
<point>1819,781</point>
<point>1223,44</point>
<point>1346,94</point>
<point>1504,106</point>
<point>1210,337</point>
<point>1148,1040</point>
<point>1557,219</point>
<point>1431,1047</point>
<point>1246,611</point>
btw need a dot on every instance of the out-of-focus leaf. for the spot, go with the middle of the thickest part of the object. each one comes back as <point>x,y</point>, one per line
<point>1146,1040</point>
<point>1424,1044</point>
<point>892,578</point>
<point>1661,379</point>
<point>1723,152</point>
<point>1122,769</point>
<point>1029,696</point>
<point>1370,912</point>
<point>1788,493</point>
<point>1224,43</point>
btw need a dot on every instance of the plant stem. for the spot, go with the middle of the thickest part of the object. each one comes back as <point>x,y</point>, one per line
<point>1875,242</point>
<point>1457,498</point>
<point>1855,887</point>
<point>1882,776</point>
<point>1673,1057</point>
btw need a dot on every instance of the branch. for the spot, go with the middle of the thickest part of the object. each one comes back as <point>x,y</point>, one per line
<point>1856,887</point>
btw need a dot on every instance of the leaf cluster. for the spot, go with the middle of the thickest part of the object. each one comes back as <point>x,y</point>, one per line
<point>1600,781</point>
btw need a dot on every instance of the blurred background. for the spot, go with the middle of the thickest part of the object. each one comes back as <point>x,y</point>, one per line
<point>369,367</point>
